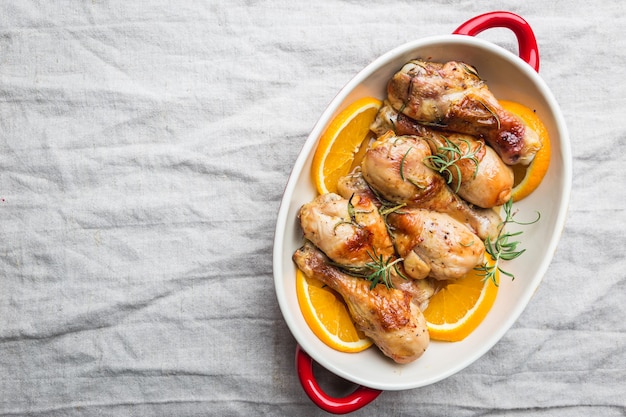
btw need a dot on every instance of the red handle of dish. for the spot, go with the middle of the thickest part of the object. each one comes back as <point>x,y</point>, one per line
<point>352,402</point>
<point>526,40</point>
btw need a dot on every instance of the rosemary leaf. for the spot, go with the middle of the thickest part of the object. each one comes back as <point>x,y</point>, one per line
<point>470,70</point>
<point>402,163</point>
<point>493,113</point>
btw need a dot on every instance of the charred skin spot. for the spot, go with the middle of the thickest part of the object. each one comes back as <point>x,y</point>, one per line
<point>512,141</point>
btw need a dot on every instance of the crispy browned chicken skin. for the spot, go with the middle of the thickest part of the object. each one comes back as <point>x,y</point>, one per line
<point>347,230</point>
<point>434,244</point>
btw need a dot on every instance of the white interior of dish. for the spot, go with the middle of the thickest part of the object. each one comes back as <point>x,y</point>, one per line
<point>508,78</point>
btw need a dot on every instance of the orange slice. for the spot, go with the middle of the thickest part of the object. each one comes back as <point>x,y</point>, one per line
<point>328,316</point>
<point>341,141</point>
<point>460,306</point>
<point>528,178</point>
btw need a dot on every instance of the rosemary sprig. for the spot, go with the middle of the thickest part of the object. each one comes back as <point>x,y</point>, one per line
<point>386,209</point>
<point>502,248</point>
<point>351,210</point>
<point>447,158</point>
<point>379,270</point>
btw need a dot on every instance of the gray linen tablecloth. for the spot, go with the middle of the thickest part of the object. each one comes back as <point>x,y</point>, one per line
<point>144,148</point>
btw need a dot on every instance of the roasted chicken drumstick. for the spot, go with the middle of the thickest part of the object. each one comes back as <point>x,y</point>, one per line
<point>387,315</point>
<point>348,230</point>
<point>434,244</point>
<point>452,96</point>
<point>484,180</point>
